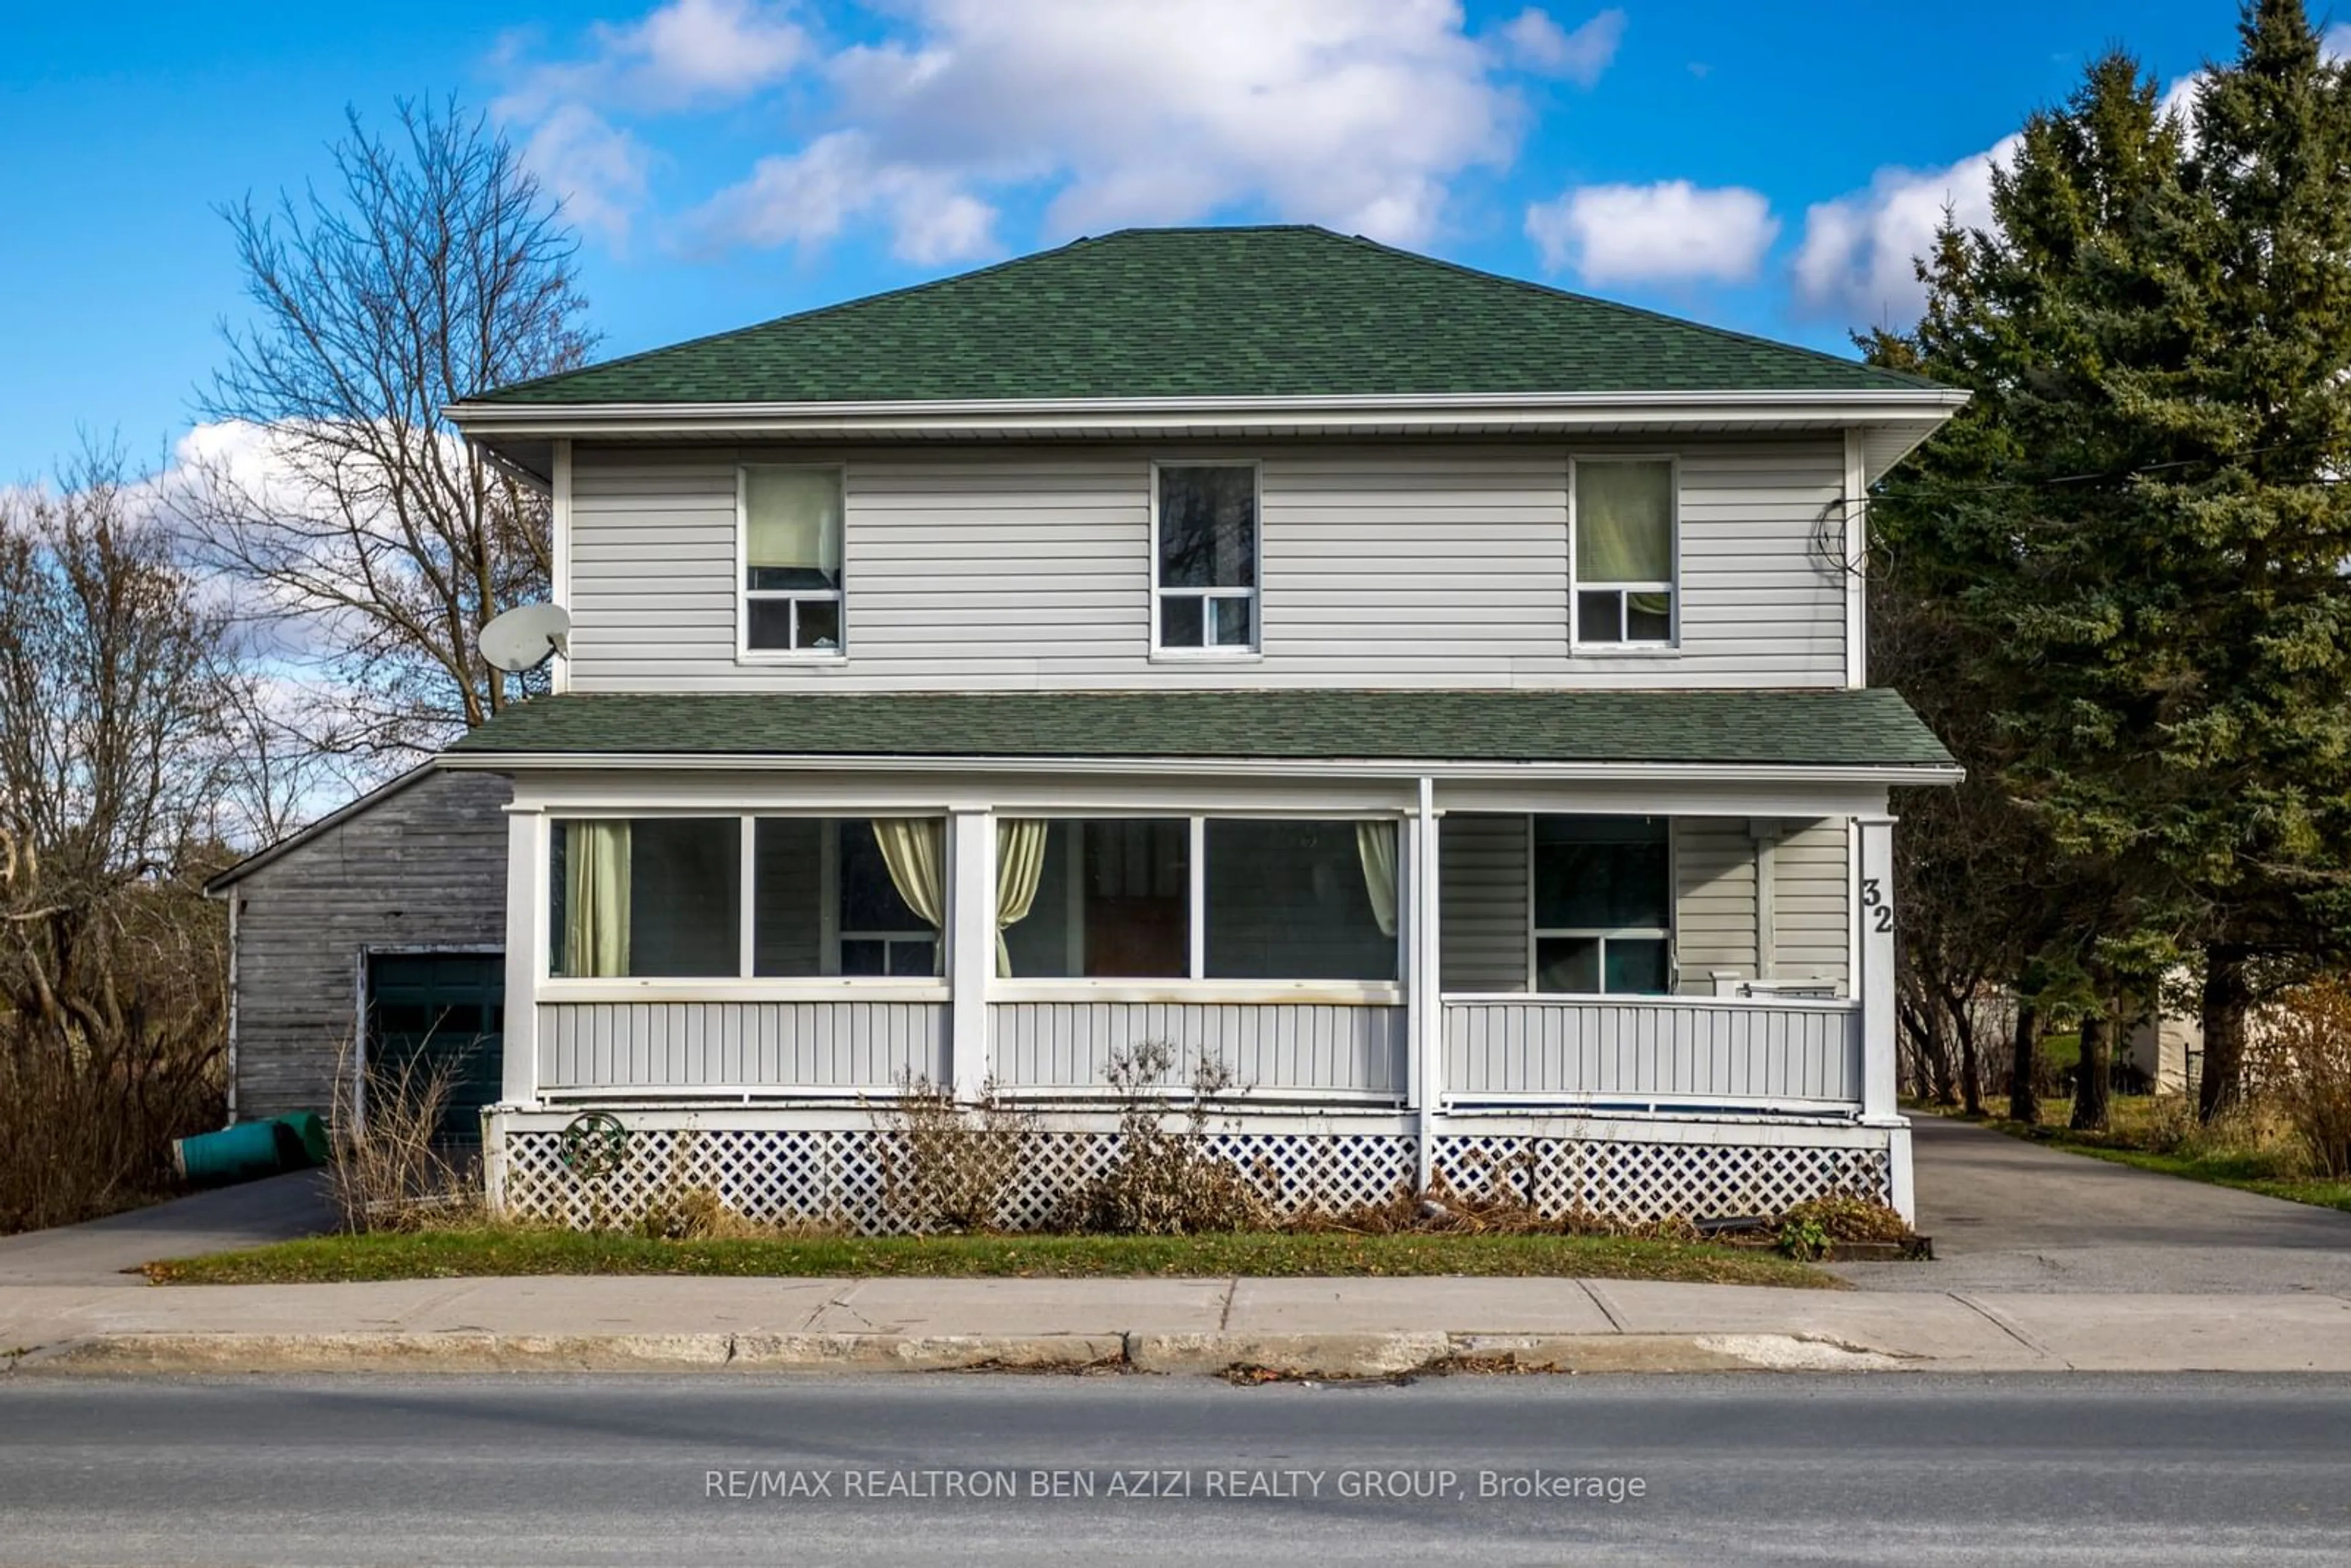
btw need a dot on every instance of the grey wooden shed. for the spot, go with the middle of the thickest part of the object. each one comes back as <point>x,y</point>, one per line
<point>374,934</point>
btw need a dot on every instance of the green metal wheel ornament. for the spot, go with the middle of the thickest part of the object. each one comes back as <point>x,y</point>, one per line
<point>594,1144</point>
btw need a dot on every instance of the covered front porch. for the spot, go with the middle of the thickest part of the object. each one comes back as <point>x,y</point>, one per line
<point>1391,969</point>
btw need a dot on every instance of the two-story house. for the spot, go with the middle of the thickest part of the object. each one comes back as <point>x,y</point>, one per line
<point>1440,697</point>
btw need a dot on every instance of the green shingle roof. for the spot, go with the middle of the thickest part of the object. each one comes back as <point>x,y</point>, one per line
<point>1222,312</point>
<point>1816,729</point>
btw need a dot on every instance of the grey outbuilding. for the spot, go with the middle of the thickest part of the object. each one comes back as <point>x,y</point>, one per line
<point>375,936</point>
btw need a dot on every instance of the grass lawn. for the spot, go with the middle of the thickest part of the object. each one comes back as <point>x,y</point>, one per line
<point>2132,1138</point>
<point>439,1254</point>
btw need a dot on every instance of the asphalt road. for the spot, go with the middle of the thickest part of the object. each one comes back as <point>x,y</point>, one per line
<point>723,1468</point>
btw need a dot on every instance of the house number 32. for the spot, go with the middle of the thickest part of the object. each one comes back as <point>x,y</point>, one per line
<point>1873,898</point>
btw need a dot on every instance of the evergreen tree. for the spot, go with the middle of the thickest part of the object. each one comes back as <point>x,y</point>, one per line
<point>1996,598</point>
<point>2135,530</point>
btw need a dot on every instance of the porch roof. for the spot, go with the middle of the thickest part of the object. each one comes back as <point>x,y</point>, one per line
<point>1824,728</point>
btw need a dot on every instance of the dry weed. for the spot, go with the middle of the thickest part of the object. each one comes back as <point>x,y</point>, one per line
<point>1164,1181</point>
<point>2304,1069</point>
<point>390,1171</point>
<point>946,1166</point>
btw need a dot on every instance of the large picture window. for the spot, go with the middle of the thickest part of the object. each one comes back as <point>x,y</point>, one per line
<point>664,898</point>
<point>1205,556</point>
<point>1268,899</point>
<point>1107,899</point>
<point>656,897</point>
<point>1603,905</point>
<point>1624,551</point>
<point>1128,898</point>
<point>792,560</point>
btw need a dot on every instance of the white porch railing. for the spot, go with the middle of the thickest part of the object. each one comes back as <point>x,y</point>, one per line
<point>1654,1050</point>
<point>1275,1050</point>
<point>755,1047</point>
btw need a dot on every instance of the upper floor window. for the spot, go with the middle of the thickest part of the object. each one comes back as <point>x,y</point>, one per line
<point>1204,557</point>
<point>1625,552</point>
<point>792,560</point>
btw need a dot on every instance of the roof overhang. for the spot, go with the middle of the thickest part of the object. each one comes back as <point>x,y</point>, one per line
<point>1892,776</point>
<point>1900,418</point>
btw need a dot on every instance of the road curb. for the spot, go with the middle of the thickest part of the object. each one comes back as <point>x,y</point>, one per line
<point>1262,1355</point>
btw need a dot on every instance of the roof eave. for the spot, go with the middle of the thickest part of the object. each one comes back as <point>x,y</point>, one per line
<point>1480,412</point>
<point>1892,774</point>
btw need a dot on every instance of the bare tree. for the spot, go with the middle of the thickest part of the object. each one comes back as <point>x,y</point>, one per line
<point>112,757</point>
<point>373,536</point>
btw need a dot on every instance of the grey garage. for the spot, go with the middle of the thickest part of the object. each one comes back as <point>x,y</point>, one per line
<point>374,936</point>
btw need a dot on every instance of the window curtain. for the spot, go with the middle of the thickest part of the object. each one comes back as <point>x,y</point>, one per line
<point>913,848</point>
<point>1019,864</point>
<point>1623,522</point>
<point>1376,843</point>
<point>596,899</point>
<point>793,518</point>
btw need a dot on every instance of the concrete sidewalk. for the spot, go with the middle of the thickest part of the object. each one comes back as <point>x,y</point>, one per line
<point>1326,1327</point>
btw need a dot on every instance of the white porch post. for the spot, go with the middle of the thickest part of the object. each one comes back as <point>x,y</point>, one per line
<point>971,944</point>
<point>1874,962</point>
<point>526,951</point>
<point>1423,997</point>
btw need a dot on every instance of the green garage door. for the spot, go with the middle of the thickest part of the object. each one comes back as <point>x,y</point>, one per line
<point>441,1012</point>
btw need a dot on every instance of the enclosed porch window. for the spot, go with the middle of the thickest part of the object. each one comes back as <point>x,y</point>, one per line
<point>1201,898</point>
<point>663,897</point>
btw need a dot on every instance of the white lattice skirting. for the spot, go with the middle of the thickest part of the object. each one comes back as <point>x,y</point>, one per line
<point>834,1175</point>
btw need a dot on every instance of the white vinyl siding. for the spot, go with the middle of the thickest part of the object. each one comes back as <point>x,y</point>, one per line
<point>1714,909</point>
<point>1029,565</point>
<point>1809,895</point>
<point>1482,897</point>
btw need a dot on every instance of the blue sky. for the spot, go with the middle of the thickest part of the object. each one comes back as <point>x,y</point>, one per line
<point>1764,167</point>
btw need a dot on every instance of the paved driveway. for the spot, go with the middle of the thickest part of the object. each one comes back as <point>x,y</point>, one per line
<point>97,1252</point>
<point>2007,1214</point>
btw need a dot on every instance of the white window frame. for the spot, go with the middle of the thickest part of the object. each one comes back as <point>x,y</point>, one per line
<point>1255,593</point>
<point>745,593</point>
<point>1537,932</point>
<point>1577,587</point>
<point>1196,977</point>
<point>743,984</point>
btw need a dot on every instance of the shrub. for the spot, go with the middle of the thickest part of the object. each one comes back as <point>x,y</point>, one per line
<point>87,1128</point>
<point>946,1166</point>
<point>1164,1182</point>
<point>2304,1068</point>
<point>1846,1216</point>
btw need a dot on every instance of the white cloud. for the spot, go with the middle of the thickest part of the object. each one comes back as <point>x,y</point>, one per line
<point>1356,114</point>
<point>1540,44</point>
<point>2180,98</point>
<point>684,53</point>
<point>687,54</point>
<point>1857,259</point>
<point>1671,231</point>
<point>808,197</point>
<point>693,49</point>
<point>597,169</point>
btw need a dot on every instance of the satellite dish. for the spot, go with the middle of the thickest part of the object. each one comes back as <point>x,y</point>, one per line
<point>523,637</point>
